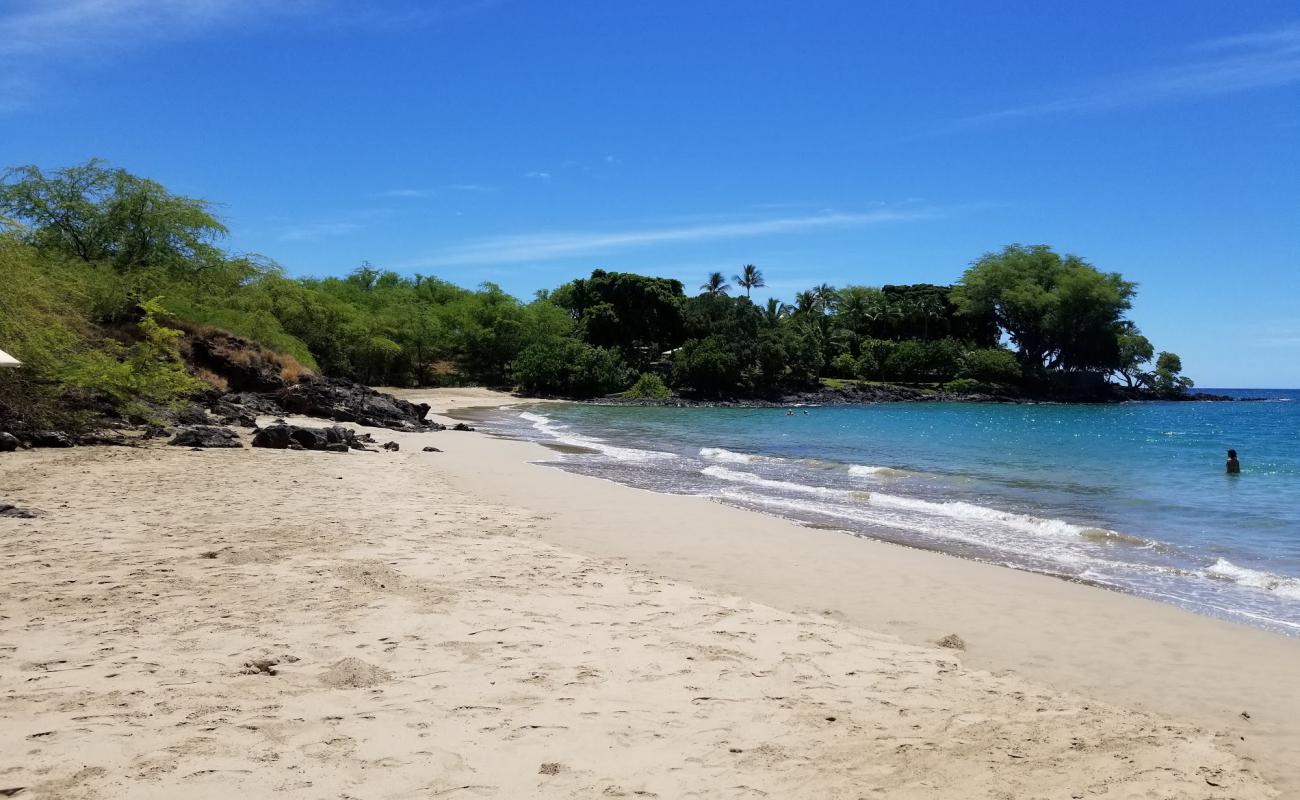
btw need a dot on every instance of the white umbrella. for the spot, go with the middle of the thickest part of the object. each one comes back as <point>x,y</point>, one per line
<point>7,360</point>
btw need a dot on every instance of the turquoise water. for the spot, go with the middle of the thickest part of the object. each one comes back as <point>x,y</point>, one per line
<point>1132,497</point>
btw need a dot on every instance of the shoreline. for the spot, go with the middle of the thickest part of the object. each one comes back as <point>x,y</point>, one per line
<point>470,623</point>
<point>1065,633</point>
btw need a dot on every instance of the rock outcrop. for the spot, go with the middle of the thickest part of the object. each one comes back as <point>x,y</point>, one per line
<point>344,401</point>
<point>206,436</point>
<point>282,436</point>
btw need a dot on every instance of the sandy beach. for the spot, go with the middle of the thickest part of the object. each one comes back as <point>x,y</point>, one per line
<point>466,623</point>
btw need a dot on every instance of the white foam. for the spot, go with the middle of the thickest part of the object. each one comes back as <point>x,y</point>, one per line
<point>767,483</point>
<point>956,510</point>
<point>918,524</point>
<point>562,434</point>
<point>729,456</point>
<point>865,471</point>
<point>1280,585</point>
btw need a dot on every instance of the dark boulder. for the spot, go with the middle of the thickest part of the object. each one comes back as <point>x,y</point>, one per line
<point>392,446</point>
<point>275,436</point>
<point>460,426</point>
<point>50,439</point>
<point>251,402</point>
<point>7,510</point>
<point>431,449</point>
<point>281,435</point>
<point>345,401</point>
<point>192,414</point>
<point>8,443</point>
<point>206,436</point>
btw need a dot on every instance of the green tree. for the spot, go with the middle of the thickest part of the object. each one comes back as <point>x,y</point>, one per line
<point>1167,379</point>
<point>1135,351</point>
<point>750,277</point>
<point>95,213</point>
<point>715,285</point>
<point>990,365</point>
<point>1061,313</point>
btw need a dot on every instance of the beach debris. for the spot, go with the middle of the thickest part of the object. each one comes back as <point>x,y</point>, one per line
<point>460,426</point>
<point>392,446</point>
<point>7,510</point>
<point>1245,715</point>
<point>8,443</point>
<point>261,666</point>
<point>430,449</point>
<point>200,436</point>
<point>550,768</point>
<point>353,673</point>
<point>952,641</point>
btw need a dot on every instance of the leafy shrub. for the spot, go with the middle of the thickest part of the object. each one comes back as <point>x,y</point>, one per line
<point>706,366</point>
<point>906,362</point>
<point>991,365</point>
<point>867,368</point>
<point>942,359</point>
<point>147,375</point>
<point>965,386</point>
<point>648,387</point>
<point>844,366</point>
<point>566,366</point>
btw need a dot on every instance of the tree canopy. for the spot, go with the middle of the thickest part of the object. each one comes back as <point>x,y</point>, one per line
<point>92,256</point>
<point>1059,312</point>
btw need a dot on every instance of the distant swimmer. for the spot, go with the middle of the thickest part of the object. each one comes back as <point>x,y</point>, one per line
<point>789,412</point>
<point>1234,466</point>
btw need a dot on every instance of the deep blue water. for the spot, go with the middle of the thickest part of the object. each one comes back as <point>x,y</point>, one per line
<point>1130,496</point>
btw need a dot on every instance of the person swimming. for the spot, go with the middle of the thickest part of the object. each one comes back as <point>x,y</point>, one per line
<point>1234,466</point>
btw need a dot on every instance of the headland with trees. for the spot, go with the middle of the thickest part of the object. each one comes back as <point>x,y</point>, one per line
<point>107,281</point>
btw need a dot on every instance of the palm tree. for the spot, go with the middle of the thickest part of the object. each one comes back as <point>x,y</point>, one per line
<point>750,277</point>
<point>716,285</point>
<point>827,297</point>
<point>805,302</point>
<point>775,312</point>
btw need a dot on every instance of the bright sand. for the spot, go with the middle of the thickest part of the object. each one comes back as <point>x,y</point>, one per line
<point>467,624</point>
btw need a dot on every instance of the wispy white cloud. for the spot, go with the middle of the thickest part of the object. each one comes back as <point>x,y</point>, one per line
<point>319,230</point>
<point>546,246</point>
<point>39,38</point>
<point>1259,60</point>
<point>415,194</point>
<point>538,174</point>
<point>404,193</point>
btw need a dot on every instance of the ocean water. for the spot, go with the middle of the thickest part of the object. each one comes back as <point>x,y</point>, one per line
<point>1132,497</point>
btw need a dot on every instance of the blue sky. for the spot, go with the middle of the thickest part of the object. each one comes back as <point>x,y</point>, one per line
<point>528,142</point>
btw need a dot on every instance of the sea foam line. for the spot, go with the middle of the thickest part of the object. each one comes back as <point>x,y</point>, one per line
<point>561,433</point>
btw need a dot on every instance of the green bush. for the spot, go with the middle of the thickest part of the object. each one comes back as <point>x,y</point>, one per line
<point>144,377</point>
<point>991,365</point>
<point>648,387</point>
<point>965,386</point>
<point>844,366</point>
<point>706,366</point>
<point>906,362</point>
<point>568,367</point>
<point>867,368</point>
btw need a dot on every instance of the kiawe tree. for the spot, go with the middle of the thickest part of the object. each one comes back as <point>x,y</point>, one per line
<point>750,277</point>
<point>1060,313</point>
<point>94,213</point>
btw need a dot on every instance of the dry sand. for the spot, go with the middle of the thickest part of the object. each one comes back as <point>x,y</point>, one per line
<point>465,624</point>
